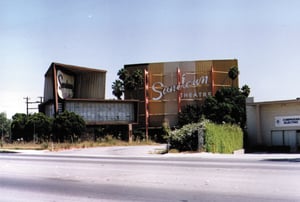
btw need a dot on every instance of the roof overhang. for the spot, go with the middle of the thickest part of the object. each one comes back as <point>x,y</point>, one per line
<point>73,69</point>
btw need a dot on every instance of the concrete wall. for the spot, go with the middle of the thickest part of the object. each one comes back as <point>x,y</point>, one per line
<point>251,125</point>
<point>264,130</point>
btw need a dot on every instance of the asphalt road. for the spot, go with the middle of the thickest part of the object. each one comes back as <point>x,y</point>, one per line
<point>67,177</point>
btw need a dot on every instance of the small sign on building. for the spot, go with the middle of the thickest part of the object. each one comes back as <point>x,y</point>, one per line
<point>287,121</point>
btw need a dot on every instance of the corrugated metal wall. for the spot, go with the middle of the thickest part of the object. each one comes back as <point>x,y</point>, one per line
<point>48,88</point>
<point>90,85</point>
<point>49,110</point>
<point>156,107</point>
<point>221,68</point>
<point>166,107</point>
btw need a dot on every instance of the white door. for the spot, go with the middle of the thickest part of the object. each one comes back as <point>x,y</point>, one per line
<point>277,138</point>
<point>290,139</point>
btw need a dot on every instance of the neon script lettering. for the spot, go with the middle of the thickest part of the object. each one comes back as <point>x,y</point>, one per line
<point>161,89</point>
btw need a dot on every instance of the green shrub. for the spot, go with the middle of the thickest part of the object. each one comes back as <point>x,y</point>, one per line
<point>223,138</point>
<point>189,114</point>
<point>68,126</point>
<point>206,136</point>
<point>30,127</point>
<point>186,138</point>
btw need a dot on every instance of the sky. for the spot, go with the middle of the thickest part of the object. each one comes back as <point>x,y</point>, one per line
<point>263,35</point>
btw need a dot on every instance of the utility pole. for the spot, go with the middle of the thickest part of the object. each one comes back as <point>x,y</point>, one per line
<point>27,102</point>
<point>31,103</point>
<point>41,99</point>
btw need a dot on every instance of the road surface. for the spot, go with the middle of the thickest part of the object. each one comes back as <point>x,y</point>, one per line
<point>60,177</point>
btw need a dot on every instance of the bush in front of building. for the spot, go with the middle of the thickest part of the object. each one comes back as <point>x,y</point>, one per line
<point>228,105</point>
<point>30,127</point>
<point>189,114</point>
<point>223,138</point>
<point>40,126</point>
<point>206,136</point>
<point>119,132</point>
<point>18,126</point>
<point>68,126</point>
<point>190,137</point>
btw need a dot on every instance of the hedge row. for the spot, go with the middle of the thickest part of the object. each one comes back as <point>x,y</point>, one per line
<point>206,136</point>
<point>223,138</point>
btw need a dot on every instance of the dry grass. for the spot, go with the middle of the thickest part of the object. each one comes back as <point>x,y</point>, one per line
<point>109,141</point>
<point>22,146</point>
<point>173,151</point>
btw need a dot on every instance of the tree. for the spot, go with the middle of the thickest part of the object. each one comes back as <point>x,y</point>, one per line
<point>18,125</point>
<point>138,78</point>
<point>227,106</point>
<point>189,114</point>
<point>123,74</point>
<point>233,74</point>
<point>245,90</point>
<point>128,81</point>
<point>118,88</point>
<point>5,126</point>
<point>68,126</point>
<point>40,126</point>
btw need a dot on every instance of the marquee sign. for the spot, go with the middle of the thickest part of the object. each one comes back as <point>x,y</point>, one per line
<point>186,86</point>
<point>65,84</point>
<point>287,121</point>
<point>171,86</point>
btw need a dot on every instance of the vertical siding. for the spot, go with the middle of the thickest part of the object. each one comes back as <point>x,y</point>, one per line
<point>90,85</point>
<point>156,107</point>
<point>222,79</point>
<point>48,88</point>
<point>203,68</point>
<point>49,110</point>
<point>188,70</point>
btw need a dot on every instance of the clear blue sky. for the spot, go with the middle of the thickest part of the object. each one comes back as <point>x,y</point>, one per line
<point>264,35</point>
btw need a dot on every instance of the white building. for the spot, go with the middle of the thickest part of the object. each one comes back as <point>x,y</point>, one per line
<point>274,123</point>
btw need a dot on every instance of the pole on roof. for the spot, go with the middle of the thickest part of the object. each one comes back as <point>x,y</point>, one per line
<point>55,91</point>
<point>146,103</point>
<point>179,91</point>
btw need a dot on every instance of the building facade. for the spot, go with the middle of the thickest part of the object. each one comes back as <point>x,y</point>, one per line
<point>82,90</point>
<point>274,123</point>
<point>170,86</point>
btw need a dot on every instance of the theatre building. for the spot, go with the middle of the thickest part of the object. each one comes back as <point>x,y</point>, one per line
<point>274,124</point>
<point>82,90</point>
<point>170,86</point>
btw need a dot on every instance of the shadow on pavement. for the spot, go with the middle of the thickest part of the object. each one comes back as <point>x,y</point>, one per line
<point>292,160</point>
